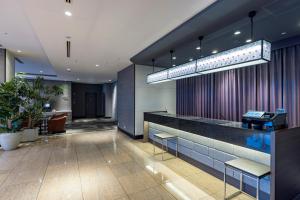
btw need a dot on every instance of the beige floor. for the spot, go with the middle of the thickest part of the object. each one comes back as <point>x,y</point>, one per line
<point>100,165</point>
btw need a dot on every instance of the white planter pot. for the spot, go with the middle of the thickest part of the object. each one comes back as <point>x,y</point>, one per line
<point>30,135</point>
<point>10,141</point>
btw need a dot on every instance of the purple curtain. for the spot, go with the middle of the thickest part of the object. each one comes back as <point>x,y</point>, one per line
<point>229,94</point>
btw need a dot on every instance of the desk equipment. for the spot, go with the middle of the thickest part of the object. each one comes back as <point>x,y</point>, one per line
<point>265,120</point>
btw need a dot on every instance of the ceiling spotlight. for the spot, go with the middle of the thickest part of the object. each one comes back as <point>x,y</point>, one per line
<point>41,72</point>
<point>68,13</point>
<point>19,51</point>
<point>78,79</point>
<point>68,69</point>
<point>97,65</point>
<point>248,40</point>
<point>174,65</point>
<point>109,80</point>
<point>191,59</point>
<point>174,58</point>
<point>237,32</point>
<point>283,33</point>
<point>198,48</point>
<point>214,51</point>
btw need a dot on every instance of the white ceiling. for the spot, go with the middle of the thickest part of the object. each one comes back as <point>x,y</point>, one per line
<point>103,32</point>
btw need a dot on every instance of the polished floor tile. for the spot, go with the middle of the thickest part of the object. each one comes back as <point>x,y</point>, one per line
<point>24,191</point>
<point>155,193</point>
<point>101,165</point>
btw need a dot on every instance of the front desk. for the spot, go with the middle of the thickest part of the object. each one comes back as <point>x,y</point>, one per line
<point>208,143</point>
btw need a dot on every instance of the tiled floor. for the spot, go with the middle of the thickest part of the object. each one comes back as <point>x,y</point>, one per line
<point>104,165</point>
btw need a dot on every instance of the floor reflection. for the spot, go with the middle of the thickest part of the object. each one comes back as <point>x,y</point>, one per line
<point>102,164</point>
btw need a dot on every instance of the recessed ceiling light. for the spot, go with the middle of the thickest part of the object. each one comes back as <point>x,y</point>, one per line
<point>78,79</point>
<point>191,59</point>
<point>19,51</point>
<point>174,65</point>
<point>68,13</point>
<point>41,72</point>
<point>214,51</point>
<point>237,32</point>
<point>198,48</point>
<point>248,40</point>
<point>97,65</point>
<point>68,69</point>
<point>109,80</point>
<point>174,58</point>
<point>283,33</point>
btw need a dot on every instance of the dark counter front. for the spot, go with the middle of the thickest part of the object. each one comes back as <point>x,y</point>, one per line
<point>226,131</point>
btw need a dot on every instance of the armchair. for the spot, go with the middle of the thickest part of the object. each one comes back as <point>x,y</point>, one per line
<point>57,124</point>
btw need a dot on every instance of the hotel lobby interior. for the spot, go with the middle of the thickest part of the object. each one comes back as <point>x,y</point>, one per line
<point>149,100</point>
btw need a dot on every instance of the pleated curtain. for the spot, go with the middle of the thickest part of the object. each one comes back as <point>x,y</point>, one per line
<point>229,94</point>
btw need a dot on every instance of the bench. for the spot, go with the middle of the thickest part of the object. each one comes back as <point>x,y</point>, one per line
<point>164,137</point>
<point>245,166</point>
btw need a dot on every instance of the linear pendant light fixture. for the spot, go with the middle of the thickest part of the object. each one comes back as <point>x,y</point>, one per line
<point>250,54</point>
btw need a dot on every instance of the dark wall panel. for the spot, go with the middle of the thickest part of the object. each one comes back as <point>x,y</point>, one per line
<point>285,165</point>
<point>79,92</point>
<point>229,94</point>
<point>126,99</point>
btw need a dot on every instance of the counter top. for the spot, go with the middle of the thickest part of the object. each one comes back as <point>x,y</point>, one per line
<point>223,130</point>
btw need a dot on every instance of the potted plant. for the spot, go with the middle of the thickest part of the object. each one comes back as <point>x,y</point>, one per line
<point>32,110</point>
<point>36,96</point>
<point>11,94</point>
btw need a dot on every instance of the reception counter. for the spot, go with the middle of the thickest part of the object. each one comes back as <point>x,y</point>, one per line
<point>222,130</point>
<point>208,143</point>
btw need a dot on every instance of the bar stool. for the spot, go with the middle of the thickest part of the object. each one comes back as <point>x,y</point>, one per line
<point>164,137</point>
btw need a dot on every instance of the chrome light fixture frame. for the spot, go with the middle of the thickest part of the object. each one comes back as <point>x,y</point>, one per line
<point>250,54</point>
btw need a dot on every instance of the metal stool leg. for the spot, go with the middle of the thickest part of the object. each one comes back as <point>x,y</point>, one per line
<point>241,181</point>
<point>225,182</point>
<point>257,188</point>
<point>176,146</point>
<point>167,145</point>
<point>162,146</point>
<point>153,146</point>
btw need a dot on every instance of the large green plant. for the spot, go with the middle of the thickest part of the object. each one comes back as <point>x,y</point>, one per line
<point>37,94</point>
<point>12,94</point>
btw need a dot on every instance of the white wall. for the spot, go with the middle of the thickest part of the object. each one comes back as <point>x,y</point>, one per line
<point>107,89</point>
<point>110,91</point>
<point>7,65</point>
<point>151,97</point>
<point>10,66</point>
<point>114,101</point>
<point>62,102</point>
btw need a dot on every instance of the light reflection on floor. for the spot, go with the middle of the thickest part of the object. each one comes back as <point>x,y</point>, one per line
<point>100,165</point>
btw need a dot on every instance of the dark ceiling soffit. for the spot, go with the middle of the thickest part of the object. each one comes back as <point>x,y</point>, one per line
<point>286,43</point>
<point>213,18</point>
<point>19,60</point>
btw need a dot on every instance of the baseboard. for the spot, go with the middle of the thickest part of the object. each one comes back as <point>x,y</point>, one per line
<point>135,137</point>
